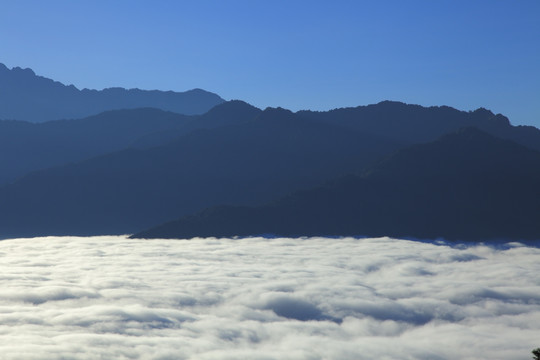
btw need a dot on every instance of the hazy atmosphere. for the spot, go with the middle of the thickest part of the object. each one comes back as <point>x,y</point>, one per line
<point>312,298</point>
<point>314,55</point>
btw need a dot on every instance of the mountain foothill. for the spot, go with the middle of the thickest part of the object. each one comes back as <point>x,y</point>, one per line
<point>182,165</point>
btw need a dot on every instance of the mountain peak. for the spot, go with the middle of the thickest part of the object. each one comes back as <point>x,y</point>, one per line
<point>25,71</point>
<point>279,114</point>
<point>483,112</point>
<point>390,102</point>
<point>229,112</point>
<point>277,111</point>
<point>34,98</point>
<point>233,106</point>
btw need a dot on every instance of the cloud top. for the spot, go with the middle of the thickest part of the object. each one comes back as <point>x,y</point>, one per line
<point>319,298</point>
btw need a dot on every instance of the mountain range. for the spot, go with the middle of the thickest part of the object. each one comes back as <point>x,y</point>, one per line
<point>235,170</point>
<point>27,96</point>
<point>464,186</point>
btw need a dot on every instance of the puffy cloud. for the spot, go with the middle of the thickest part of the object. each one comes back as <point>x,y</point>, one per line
<point>318,298</point>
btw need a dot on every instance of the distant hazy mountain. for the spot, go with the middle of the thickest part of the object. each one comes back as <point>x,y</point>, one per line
<point>26,96</point>
<point>465,186</point>
<point>26,147</point>
<point>232,112</point>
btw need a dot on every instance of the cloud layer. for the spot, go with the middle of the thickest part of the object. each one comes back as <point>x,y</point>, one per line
<point>317,298</point>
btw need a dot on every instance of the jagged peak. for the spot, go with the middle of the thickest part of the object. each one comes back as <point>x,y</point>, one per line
<point>277,110</point>
<point>25,71</point>
<point>482,111</point>
<point>17,70</point>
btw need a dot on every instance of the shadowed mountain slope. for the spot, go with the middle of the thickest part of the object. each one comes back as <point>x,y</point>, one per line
<point>228,113</point>
<point>234,154</point>
<point>464,186</point>
<point>247,162</point>
<point>414,124</point>
<point>26,96</point>
<point>27,147</point>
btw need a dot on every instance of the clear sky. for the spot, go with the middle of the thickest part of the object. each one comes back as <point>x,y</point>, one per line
<point>295,54</point>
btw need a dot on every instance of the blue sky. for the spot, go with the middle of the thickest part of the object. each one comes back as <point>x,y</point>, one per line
<point>295,54</point>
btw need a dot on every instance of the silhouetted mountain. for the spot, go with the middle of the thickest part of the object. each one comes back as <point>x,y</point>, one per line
<point>246,162</point>
<point>234,154</point>
<point>26,147</point>
<point>26,96</point>
<point>414,124</point>
<point>228,113</point>
<point>466,186</point>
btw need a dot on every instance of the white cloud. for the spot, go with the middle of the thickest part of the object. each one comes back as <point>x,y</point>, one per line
<point>112,297</point>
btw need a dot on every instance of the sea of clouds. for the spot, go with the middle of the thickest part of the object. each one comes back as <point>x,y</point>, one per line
<point>316,298</point>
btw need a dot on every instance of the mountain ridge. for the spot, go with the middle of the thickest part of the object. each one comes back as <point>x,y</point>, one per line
<point>26,147</point>
<point>126,170</point>
<point>487,197</point>
<point>253,158</point>
<point>34,98</point>
<point>247,162</point>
